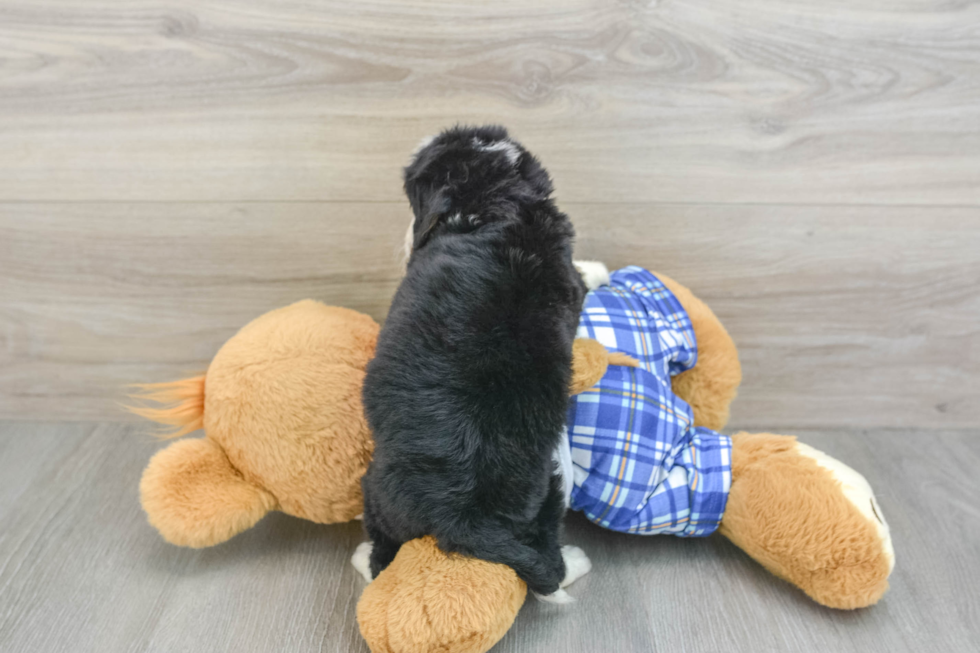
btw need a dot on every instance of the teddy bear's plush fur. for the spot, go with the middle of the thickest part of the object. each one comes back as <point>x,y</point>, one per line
<point>781,490</point>
<point>284,429</point>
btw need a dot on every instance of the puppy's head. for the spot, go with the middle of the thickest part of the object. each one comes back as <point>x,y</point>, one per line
<point>467,177</point>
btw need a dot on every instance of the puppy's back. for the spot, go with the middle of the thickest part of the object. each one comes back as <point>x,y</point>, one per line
<point>473,363</point>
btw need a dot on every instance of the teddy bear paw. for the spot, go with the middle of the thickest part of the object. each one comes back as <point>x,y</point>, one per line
<point>858,491</point>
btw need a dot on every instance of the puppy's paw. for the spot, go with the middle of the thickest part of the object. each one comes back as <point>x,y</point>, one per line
<point>594,273</point>
<point>362,560</point>
<point>577,564</point>
<point>560,597</point>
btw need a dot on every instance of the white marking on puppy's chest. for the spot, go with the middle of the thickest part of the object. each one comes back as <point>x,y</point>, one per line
<point>562,456</point>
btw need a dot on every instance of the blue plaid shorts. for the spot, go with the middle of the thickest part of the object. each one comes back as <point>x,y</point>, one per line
<point>638,463</point>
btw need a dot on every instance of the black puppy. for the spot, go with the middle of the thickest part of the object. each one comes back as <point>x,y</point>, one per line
<point>468,391</point>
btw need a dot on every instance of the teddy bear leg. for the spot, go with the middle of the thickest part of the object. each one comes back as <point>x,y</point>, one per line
<point>710,386</point>
<point>428,601</point>
<point>194,497</point>
<point>809,519</point>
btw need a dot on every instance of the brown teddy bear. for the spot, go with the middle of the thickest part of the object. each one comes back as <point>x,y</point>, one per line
<point>284,430</point>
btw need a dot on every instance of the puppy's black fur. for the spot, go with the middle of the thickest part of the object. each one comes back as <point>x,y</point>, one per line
<point>468,390</point>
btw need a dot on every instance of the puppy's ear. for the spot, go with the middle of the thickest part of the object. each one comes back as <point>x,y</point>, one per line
<point>416,195</point>
<point>535,175</point>
<point>424,228</point>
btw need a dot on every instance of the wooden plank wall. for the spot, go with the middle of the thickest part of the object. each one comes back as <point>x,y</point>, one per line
<point>170,170</point>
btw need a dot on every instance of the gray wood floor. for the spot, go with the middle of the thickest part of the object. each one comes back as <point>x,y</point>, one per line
<point>80,570</point>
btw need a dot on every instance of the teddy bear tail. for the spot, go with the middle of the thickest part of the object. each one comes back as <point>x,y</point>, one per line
<point>184,405</point>
<point>195,497</point>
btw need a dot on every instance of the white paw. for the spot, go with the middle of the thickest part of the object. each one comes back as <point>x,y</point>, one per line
<point>577,564</point>
<point>362,560</point>
<point>858,491</point>
<point>561,597</point>
<point>594,273</point>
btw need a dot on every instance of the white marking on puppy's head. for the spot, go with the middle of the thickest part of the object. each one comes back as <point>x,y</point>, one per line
<point>424,143</point>
<point>512,152</point>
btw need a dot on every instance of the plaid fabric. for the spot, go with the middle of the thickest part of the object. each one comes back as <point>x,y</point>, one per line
<point>639,465</point>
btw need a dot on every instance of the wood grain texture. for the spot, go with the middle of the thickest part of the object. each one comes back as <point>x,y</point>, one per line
<point>80,570</point>
<point>702,100</point>
<point>94,297</point>
<point>845,316</point>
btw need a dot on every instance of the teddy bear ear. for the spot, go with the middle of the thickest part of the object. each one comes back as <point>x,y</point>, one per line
<point>194,497</point>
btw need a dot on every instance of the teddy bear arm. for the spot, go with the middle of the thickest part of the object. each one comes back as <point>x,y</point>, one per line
<point>194,496</point>
<point>711,385</point>
<point>590,360</point>
<point>809,519</point>
<point>589,364</point>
